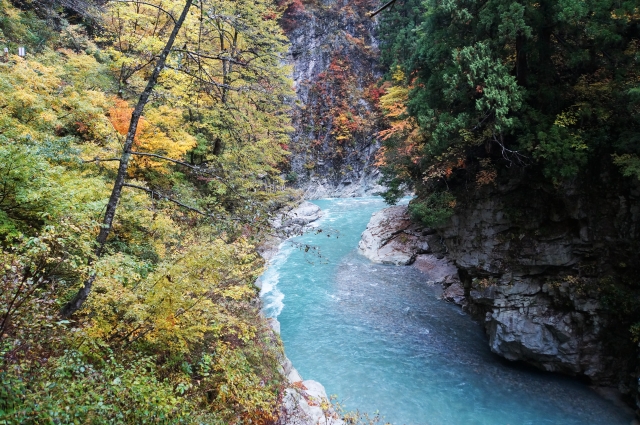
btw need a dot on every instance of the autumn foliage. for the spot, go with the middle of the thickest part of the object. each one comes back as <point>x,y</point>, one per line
<point>171,332</point>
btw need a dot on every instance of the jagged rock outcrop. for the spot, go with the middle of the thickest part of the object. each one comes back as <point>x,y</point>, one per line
<point>334,56</point>
<point>392,238</point>
<point>298,219</point>
<point>537,265</point>
<point>541,269</point>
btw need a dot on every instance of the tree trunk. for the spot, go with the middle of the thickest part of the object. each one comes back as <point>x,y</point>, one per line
<point>107,222</point>
<point>522,67</point>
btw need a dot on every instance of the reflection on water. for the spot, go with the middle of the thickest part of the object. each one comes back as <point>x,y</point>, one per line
<point>378,338</point>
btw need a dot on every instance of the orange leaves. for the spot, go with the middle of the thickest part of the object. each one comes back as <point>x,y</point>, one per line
<point>380,160</point>
<point>161,133</point>
<point>399,127</point>
<point>120,117</point>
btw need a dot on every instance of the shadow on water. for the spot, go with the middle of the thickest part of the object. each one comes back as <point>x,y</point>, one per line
<point>378,337</point>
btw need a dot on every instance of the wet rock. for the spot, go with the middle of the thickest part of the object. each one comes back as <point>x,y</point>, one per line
<point>289,223</point>
<point>296,219</point>
<point>455,293</point>
<point>365,185</point>
<point>438,270</point>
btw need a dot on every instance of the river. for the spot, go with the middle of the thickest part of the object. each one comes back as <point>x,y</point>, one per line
<point>378,338</point>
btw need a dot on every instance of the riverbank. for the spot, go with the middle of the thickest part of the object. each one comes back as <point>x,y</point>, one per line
<point>377,336</point>
<point>305,402</point>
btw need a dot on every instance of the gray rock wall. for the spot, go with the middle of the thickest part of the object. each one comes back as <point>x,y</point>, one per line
<point>536,264</point>
<point>334,57</point>
<point>550,272</point>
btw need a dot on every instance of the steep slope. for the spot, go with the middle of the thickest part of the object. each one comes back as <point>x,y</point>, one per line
<point>334,55</point>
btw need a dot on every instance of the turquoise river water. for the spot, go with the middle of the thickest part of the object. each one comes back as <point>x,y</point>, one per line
<point>377,337</point>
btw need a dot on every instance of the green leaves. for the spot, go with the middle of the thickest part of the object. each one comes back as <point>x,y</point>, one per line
<point>498,93</point>
<point>548,84</point>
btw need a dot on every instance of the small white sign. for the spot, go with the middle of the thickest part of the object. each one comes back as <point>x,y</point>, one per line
<point>21,52</point>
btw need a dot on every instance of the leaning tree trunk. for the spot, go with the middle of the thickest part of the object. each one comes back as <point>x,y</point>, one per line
<point>107,223</point>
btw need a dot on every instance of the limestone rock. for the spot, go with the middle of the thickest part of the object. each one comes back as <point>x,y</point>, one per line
<point>391,238</point>
<point>306,403</point>
<point>289,223</point>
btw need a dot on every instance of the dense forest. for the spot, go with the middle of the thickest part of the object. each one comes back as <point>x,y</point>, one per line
<point>477,87</point>
<point>140,152</point>
<point>145,146</point>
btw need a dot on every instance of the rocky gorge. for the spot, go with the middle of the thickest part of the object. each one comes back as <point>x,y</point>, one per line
<point>548,270</point>
<point>543,273</point>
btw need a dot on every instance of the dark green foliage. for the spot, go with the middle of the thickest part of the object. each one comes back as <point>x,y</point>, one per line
<point>551,84</point>
<point>434,210</point>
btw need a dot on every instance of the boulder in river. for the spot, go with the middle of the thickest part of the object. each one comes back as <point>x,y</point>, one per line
<point>290,223</point>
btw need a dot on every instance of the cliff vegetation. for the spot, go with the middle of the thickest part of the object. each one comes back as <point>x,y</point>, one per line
<point>516,123</point>
<point>141,145</point>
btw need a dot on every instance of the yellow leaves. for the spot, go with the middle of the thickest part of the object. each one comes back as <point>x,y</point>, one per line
<point>190,293</point>
<point>161,132</point>
<point>41,99</point>
<point>566,118</point>
<point>394,105</point>
<point>169,134</point>
<point>398,76</point>
<point>394,101</point>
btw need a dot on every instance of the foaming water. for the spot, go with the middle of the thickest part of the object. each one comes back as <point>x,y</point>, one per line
<point>378,338</point>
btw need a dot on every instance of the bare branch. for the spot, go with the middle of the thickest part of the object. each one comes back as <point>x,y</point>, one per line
<point>217,57</point>
<point>510,155</point>
<point>175,201</point>
<point>150,4</point>
<point>96,159</point>
<point>175,161</point>
<point>193,167</point>
<point>161,196</point>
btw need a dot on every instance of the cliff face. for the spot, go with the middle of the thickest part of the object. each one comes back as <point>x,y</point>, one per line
<point>335,67</point>
<point>550,272</point>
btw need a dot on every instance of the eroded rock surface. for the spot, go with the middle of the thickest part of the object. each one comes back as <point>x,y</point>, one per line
<point>391,238</point>
<point>532,267</point>
<point>290,223</point>
<point>305,402</point>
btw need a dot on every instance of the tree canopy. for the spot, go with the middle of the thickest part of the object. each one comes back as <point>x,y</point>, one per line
<point>171,330</point>
<point>478,86</point>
